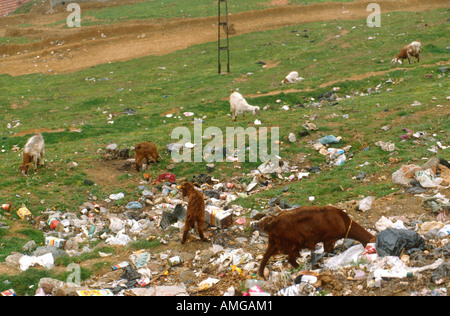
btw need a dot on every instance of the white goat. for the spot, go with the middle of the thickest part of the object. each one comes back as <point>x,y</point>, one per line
<point>238,105</point>
<point>33,152</point>
<point>292,77</point>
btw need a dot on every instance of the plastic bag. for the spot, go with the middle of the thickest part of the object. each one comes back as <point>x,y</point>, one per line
<point>350,255</point>
<point>427,178</point>
<point>206,284</point>
<point>391,242</point>
<point>384,223</point>
<point>330,139</point>
<point>47,261</point>
<point>120,239</point>
<point>116,224</point>
<point>134,205</point>
<point>117,196</point>
<point>386,146</point>
<point>366,203</point>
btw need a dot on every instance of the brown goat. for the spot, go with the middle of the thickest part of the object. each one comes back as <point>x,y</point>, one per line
<point>147,151</point>
<point>304,227</point>
<point>407,52</point>
<point>27,160</point>
<point>195,213</point>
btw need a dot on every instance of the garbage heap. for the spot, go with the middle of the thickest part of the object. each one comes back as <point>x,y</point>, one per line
<point>411,252</point>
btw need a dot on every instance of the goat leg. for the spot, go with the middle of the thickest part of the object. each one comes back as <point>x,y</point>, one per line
<point>271,250</point>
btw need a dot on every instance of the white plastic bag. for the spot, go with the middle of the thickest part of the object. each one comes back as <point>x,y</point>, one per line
<point>120,239</point>
<point>384,223</point>
<point>366,203</point>
<point>116,224</point>
<point>206,284</point>
<point>350,255</point>
<point>117,196</point>
<point>47,261</point>
<point>427,178</point>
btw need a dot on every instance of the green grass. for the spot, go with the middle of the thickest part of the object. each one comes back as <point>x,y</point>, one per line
<point>190,82</point>
<point>26,283</point>
<point>174,9</point>
<point>13,40</point>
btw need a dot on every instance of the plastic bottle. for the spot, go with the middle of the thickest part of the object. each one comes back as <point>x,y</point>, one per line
<point>381,273</point>
<point>92,230</point>
<point>444,231</point>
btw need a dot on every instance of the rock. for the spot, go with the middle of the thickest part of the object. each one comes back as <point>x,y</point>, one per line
<point>67,290</point>
<point>88,182</point>
<point>112,148</point>
<point>29,246</point>
<point>256,215</point>
<point>362,175</point>
<point>13,260</point>
<point>124,153</point>
<point>405,174</point>
<point>56,253</point>
<point>71,244</point>
<point>292,138</point>
<point>49,285</point>
<point>432,164</point>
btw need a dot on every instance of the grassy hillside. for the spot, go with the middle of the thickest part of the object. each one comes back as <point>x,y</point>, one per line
<point>345,54</point>
<point>187,81</point>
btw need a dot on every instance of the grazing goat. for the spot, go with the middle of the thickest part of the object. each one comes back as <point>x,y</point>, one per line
<point>238,105</point>
<point>411,50</point>
<point>292,77</point>
<point>304,227</point>
<point>147,151</point>
<point>33,153</point>
<point>195,213</point>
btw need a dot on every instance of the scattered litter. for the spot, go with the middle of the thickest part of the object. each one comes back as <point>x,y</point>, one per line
<point>330,139</point>
<point>24,213</point>
<point>366,203</point>
<point>117,196</point>
<point>386,146</point>
<point>392,241</point>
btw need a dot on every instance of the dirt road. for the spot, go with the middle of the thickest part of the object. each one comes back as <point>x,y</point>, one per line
<point>93,45</point>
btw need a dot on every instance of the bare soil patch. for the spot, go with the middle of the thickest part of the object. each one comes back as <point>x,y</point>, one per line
<point>120,41</point>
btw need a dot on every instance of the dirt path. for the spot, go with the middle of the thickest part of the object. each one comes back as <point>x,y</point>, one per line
<point>89,46</point>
